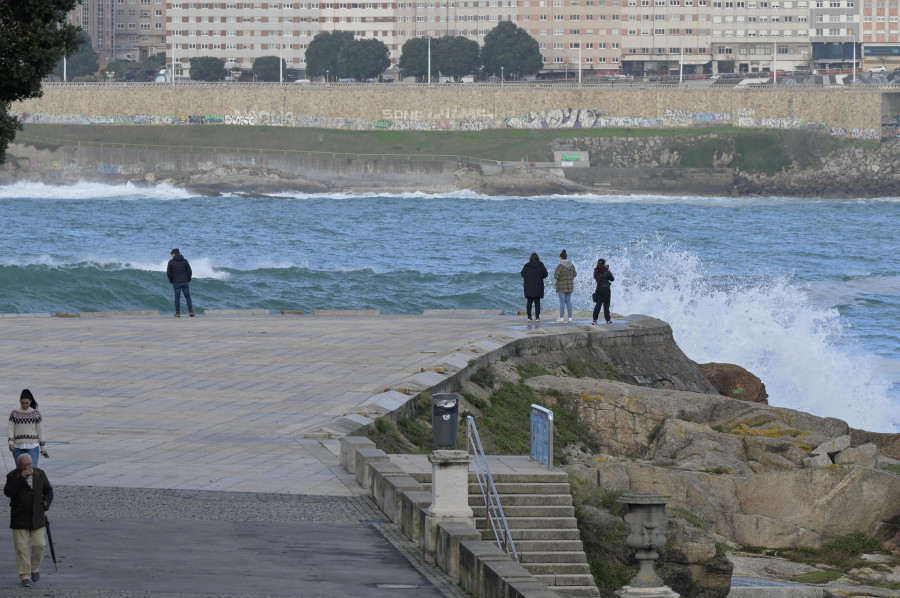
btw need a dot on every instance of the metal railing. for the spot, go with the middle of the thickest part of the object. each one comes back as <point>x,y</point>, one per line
<point>542,435</point>
<point>496,520</point>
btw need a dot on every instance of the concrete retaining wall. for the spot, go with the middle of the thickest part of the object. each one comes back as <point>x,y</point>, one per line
<point>855,113</point>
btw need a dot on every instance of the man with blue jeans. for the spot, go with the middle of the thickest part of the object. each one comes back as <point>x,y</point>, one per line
<point>179,273</point>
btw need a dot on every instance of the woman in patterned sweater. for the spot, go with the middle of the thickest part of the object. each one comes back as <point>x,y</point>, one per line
<point>26,434</point>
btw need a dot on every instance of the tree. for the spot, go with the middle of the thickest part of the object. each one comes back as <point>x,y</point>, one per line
<point>266,68</point>
<point>82,62</point>
<point>511,48</point>
<point>207,68</point>
<point>363,59</point>
<point>414,58</point>
<point>455,56</point>
<point>33,37</point>
<point>322,52</point>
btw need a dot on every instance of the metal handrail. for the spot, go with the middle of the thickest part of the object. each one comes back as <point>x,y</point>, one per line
<point>496,519</point>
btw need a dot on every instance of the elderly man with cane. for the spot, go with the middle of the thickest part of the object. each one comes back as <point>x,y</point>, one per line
<point>30,495</point>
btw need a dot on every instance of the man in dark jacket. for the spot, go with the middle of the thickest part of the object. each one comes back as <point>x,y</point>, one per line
<point>534,273</point>
<point>30,495</point>
<point>179,273</point>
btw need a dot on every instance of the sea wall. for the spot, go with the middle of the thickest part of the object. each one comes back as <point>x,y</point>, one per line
<point>857,113</point>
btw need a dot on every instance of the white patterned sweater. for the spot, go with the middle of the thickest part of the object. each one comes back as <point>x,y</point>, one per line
<point>25,429</point>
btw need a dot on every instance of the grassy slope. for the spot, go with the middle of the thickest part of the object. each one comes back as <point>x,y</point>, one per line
<point>753,150</point>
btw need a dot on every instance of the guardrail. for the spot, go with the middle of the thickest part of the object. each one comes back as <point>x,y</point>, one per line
<point>493,509</point>
<point>542,435</point>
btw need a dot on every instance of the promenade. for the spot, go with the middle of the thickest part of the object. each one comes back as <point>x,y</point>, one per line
<point>200,456</point>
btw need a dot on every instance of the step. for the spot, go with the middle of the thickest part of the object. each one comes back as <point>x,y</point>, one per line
<point>557,568</point>
<point>557,557</point>
<point>533,523</point>
<point>547,500</point>
<point>524,534</point>
<point>527,511</point>
<point>544,545</point>
<point>524,488</point>
<point>575,590</point>
<point>562,579</point>
<point>540,477</point>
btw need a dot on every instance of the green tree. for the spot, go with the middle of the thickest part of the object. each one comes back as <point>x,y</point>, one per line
<point>33,37</point>
<point>455,56</point>
<point>322,52</point>
<point>266,68</point>
<point>513,49</point>
<point>363,59</point>
<point>207,68</point>
<point>414,58</point>
<point>116,66</point>
<point>82,62</point>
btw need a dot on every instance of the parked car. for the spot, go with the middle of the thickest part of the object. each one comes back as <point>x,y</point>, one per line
<point>877,69</point>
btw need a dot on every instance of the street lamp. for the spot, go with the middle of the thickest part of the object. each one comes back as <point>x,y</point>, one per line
<point>501,76</point>
<point>236,74</point>
<point>326,75</point>
<point>110,75</point>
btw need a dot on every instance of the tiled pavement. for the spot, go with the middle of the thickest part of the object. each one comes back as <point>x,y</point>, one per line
<point>236,403</point>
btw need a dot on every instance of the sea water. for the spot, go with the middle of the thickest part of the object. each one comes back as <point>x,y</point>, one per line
<point>805,293</point>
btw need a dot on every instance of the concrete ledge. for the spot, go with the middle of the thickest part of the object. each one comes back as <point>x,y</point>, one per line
<point>776,592</point>
<point>236,312</point>
<point>347,312</point>
<point>349,446</point>
<point>413,504</point>
<point>378,472</point>
<point>449,535</point>
<point>473,555</point>
<point>109,314</point>
<point>346,425</point>
<point>24,315</point>
<point>292,312</point>
<point>364,456</point>
<point>392,490</point>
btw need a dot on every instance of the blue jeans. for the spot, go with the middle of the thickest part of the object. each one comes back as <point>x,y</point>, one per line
<point>186,287</point>
<point>34,452</point>
<point>565,301</point>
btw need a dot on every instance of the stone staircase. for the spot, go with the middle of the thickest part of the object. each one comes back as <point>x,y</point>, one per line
<point>541,519</point>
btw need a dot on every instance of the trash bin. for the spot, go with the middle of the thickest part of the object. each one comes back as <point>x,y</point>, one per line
<point>445,418</point>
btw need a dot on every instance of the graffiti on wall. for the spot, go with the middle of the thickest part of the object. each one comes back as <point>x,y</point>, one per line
<point>890,131</point>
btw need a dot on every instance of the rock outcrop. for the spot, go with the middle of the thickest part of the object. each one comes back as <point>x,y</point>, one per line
<point>735,382</point>
<point>739,466</point>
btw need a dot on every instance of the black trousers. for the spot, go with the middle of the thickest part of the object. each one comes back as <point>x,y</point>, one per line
<point>603,294</point>
<point>537,306</point>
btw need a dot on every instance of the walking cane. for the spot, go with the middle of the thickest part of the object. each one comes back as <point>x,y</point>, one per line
<point>50,542</point>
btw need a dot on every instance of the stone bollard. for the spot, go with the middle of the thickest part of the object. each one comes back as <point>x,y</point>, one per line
<point>449,494</point>
<point>646,521</point>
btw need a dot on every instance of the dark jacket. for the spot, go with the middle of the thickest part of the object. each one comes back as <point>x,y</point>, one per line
<point>27,506</point>
<point>603,278</point>
<point>179,270</point>
<point>534,273</point>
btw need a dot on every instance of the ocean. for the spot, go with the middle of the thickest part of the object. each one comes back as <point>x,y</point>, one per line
<point>805,293</point>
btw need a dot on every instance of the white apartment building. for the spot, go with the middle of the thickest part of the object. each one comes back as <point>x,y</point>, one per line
<point>596,37</point>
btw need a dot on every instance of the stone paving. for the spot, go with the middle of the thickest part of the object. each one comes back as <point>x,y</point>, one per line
<point>176,444</point>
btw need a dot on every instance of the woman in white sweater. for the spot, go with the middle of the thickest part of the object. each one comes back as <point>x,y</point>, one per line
<point>26,432</point>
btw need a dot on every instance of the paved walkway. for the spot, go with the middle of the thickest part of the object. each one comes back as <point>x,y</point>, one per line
<point>200,456</point>
<point>236,403</point>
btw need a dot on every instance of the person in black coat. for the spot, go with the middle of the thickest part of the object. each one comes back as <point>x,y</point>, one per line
<point>603,292</point>
<point>534,273</point>
<point>30,495</point>
<point>179,273</point>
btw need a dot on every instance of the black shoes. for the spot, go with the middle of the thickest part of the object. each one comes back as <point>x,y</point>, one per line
<point>191,313</point>
<point>26,583</point>
<point>177,314</point>
<point>35,576</point>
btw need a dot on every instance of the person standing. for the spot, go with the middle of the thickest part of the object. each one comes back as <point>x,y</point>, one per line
<point>30,495</point>
<point>25,430</point>
<point>534,273</point>
<point>179,273</point>
<point>565,284</point>
<point>603,292</point>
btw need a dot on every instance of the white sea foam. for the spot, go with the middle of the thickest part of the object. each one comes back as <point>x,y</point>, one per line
<point>805,354</point>
<point>843,292</point>
<point>88,190</point>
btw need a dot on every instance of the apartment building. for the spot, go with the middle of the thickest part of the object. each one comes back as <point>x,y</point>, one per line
<point>590,37</point>
<point>129,30</point>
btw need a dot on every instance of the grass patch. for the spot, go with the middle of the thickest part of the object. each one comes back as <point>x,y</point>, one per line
<point>475,401</point>
<point>892,468</point>
<point>532,370</point>
<point>484,378</point>
<point>817,577</point>
<point>688,516</point>
<point>841,552</point>
<point>654,431</point>
<point>589,369</point>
